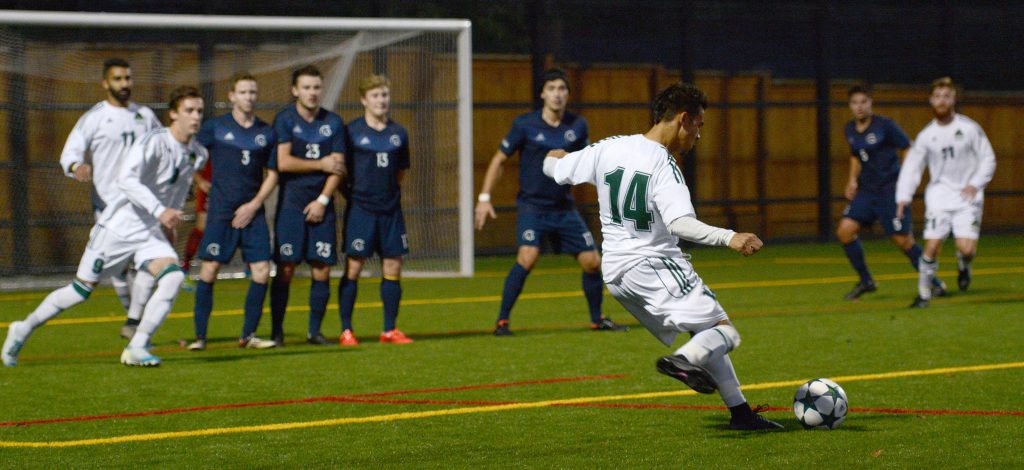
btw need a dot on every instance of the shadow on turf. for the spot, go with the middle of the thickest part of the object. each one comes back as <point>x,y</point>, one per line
<point>860,423</point>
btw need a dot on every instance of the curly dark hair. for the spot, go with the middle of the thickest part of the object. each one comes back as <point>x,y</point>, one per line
<point>677,98</point>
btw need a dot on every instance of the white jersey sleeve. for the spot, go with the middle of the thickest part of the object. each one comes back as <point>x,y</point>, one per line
<point>912,170</point>
<point>986,161</point>
<point>669,192</point>
<point>577,167</point>
<point>77,144</point>
<point>142,163</point>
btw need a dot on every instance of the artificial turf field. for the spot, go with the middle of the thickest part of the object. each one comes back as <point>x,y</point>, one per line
<point>941,388</point>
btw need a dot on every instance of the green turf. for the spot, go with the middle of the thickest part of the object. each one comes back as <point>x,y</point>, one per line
<point>790,332</point>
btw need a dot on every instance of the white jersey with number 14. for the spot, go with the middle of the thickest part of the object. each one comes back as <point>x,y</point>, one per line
<point>640,190</point>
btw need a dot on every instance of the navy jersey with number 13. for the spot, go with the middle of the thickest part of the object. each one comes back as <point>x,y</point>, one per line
<point>374,161</point>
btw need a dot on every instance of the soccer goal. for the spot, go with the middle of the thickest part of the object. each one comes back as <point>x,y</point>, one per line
<point>51,70</point>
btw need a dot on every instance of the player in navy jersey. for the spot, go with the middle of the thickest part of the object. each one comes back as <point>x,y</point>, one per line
<point>240,146</point>
<point>377,159</point>
<point>311,161</point>
<point>545,209</point>
<point>875,143</point>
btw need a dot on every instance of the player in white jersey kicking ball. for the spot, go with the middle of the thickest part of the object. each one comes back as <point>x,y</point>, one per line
<point>645,208</point>
<point>154,179</point>
<point>961,163</point>
<point>93,153</point>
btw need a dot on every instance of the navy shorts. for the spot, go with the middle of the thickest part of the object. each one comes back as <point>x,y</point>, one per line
<point>564,229</point>
<point>367,232</point>
<point>866,208</point>
<point>297,241</point>
<point>220,240</point>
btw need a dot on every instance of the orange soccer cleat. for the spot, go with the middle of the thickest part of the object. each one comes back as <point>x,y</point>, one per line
<point>349,339</point>
<point>394,336</point>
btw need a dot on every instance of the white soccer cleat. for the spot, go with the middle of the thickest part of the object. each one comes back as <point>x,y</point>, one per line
<point>139,357</point>
<point>253,342</point>
<point>16,337</point>
<point>197,345</point>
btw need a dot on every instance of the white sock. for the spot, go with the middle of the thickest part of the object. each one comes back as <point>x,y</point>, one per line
<point>159,305</point>
<point>963,262</point>
<point>725,376</point>
<point>710,344</point>
<point>58,301</point>
<point>926,272</point>
<point>123,290</point>
<point>142,289</point>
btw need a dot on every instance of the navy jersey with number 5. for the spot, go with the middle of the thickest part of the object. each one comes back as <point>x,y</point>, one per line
<point>878,149</point>
<point>238,156</point>
<point>534,138</point>
<point>374,160</point>
<point>312,141</point>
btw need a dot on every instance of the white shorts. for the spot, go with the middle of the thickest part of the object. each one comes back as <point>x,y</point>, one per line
<point>668,297</point>
<point>108,254</point>
<point>964,223</point>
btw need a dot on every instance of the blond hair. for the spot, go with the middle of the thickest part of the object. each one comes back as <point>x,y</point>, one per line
<point>373,81</point>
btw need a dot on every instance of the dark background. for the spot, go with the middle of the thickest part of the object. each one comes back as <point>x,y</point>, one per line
<point>978,43</point>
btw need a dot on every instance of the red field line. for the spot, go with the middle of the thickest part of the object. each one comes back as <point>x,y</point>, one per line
<point>338,398</point>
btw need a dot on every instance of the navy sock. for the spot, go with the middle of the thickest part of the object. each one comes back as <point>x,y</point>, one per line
<point>319,294</point>
<point>253,307</point>
<point>390,296</point>
<point>347,290</point>
<point>914,255</point>
<point>513,287</point>
<point>593,290</point>
<point>204,305</point>
<point>279,291</point>
<point>855,252</point>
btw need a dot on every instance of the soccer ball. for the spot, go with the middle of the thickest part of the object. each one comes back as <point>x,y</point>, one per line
<point>820,404</point>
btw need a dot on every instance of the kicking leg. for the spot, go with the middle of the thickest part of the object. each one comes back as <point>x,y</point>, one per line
<point>58,301</point>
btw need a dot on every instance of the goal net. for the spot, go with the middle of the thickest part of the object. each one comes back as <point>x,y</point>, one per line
<point>50,72</point>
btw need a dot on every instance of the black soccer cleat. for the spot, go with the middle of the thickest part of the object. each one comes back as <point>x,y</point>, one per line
<point>963,279</point>
<point>752,421</point>
<point>694,376</point>
<point>859,290</point>
<point>317,339</point>
<point>607,324</point>
<point>501,329</point>
<point>938,287</point>
<point>919,303</point>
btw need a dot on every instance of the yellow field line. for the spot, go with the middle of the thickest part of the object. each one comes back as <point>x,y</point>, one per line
<point>543,295</point>
<point>149,437</point>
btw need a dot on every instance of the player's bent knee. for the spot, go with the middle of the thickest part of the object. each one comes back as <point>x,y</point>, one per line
<point>731,334</point>
<point>171,277</point>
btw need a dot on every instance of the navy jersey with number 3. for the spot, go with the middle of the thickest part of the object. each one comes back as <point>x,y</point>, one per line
<point>374,160</point>
<point>238,156</point>
<point>878,149</point>
<point>534,138</point>
<point>312,141</point>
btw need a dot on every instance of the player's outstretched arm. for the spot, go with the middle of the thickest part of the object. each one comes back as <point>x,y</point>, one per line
<point>246,212</point>
<point>746,243</point>
<point>691,229</point>
<point>484,208</point>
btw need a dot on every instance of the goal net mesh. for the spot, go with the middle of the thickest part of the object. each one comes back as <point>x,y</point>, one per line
<point>49,76</point>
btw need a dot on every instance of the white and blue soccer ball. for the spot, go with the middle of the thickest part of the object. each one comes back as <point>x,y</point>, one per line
<point>820,404</point>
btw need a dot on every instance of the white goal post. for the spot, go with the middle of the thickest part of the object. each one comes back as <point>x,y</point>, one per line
<point>50,66</point>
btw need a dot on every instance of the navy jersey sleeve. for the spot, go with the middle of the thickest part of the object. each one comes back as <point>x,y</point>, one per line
<point>339,140</point>
<point>205,136</point>
<point>282,127</point>
<point>899,138</point>
<point>403,153</point>
<point>513,141</point>
<point>583,139</point>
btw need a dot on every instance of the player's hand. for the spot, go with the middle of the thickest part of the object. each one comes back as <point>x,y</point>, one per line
<point>314,212</point>
<point>746,243</point>
<point>899,209</point>
<point>244,215</point>
<point>203,185</point>
<point>171,217</point>
<point>83,172</point>
<point>483,209</point>
<point>969,193</point>
<point>851,190</point>
<point>557,153</point>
